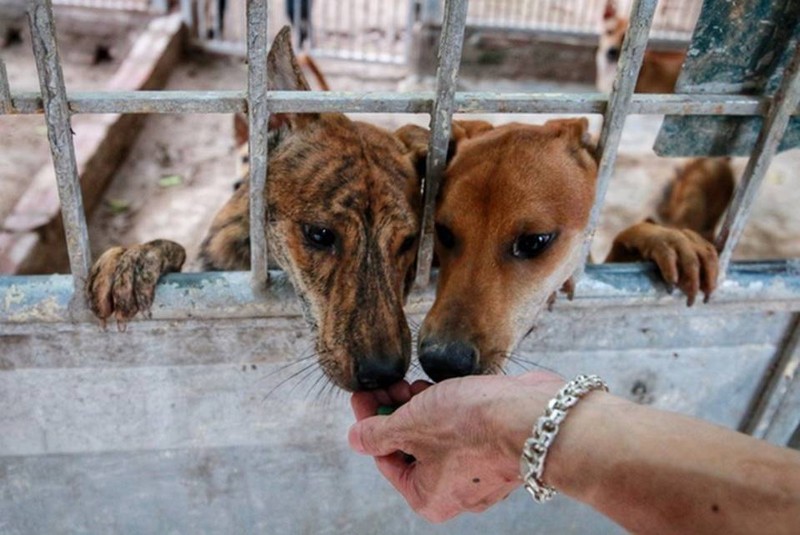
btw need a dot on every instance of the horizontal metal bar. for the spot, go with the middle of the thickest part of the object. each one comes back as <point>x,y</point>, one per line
<point>392,102</point>
<point>59,133</point>
<point>603,288</point>
<point>786,99</point>
<point>450,46</point>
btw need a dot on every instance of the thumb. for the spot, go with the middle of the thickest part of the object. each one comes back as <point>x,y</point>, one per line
<point>376,436</point>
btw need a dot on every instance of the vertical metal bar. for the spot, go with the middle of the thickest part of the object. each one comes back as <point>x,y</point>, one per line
<point>6,106</point>
<point>187,13</point>
<point>202,23</point>
<point>619,101</point>
<point>786,99</point>
<point>59,133</point>
<point>296,23</point>
<point>258,116</point>
<point>450,44</point>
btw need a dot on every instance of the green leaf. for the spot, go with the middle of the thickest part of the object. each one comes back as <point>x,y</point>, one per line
<point>118,206</point>
<point>170,181</point>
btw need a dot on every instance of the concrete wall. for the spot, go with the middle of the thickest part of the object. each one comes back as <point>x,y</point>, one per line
<point>187,427</point>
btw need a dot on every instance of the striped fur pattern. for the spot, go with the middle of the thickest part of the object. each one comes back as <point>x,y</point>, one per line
<point>343,199</point>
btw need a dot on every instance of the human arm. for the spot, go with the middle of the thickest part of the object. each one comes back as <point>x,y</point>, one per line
<point>649,470</point>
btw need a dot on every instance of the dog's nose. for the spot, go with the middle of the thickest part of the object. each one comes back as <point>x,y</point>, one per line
<point>612,54</point>
<point>379,372</point>
<point>445,360</point>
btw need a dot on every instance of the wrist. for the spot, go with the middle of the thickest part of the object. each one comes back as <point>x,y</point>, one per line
<point>517,415</point>
<point>587,443</point>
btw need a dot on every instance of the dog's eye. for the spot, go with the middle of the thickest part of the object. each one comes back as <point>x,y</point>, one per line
<point>245,159</point>
<point>445,236</point>
<point>531,245</point>
<point>407,244</point>
<point>319,237</point>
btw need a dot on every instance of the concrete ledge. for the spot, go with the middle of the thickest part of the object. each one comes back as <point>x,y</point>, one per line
<point>101,143</point>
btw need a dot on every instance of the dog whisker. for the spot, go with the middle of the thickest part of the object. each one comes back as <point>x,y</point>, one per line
<point>309,367</point>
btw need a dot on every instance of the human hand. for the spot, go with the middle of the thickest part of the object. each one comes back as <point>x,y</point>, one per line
<point>465,436</point>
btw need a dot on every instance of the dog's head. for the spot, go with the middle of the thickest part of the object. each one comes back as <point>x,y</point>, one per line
<point>612,33</point>
<point>510,220</point>
<point>343,199</point>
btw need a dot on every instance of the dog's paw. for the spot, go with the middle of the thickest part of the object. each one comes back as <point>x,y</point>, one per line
<point>685,259</point>
<point>123,280</point>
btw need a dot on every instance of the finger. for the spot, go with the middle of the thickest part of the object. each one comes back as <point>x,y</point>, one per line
<point>364,405</point>
<point>419,386</point>
<point>377,435</point>
<point>400,393</point>
<point>383,397</point>
<point>399,473</point>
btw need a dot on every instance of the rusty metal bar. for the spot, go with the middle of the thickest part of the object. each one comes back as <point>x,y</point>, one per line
<point>6,105</point>
<point>784,103</point>
<point>258,116</point>
<point>450,45</point>
<point>231,101</point>
<point>774,286</point>
<point>619,105</point>
<point>59,132</point>
<point>778,379</point>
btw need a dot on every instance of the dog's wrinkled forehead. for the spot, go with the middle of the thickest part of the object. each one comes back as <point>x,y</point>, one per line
<point>341,169</point>
<point>521,171</point>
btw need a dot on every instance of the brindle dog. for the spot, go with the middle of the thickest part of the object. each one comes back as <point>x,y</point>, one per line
<point>343,199</point>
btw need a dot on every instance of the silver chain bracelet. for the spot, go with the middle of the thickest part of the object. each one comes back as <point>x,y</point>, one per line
<point>534,452</point>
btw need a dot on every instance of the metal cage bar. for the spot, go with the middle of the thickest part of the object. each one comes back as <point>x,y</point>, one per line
<point>59,133</point>
<point>450,45</point>
<point>619,104</point>
<point>605,289</point>
<point>231,101</point>
<point>258,117</point>
<point>784,103</point>
<point>5,90</point>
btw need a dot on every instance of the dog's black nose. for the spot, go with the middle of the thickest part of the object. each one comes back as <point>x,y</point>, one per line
<point>450,359</point>
<point>379,372</point>
<point>612,54</point>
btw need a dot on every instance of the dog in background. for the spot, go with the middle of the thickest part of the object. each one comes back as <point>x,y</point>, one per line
<point>660,68</point>
<point>344,206</point>
<point>510,220</point>
<point>698,196</point>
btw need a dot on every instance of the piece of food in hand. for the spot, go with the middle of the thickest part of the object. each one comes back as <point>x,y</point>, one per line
<point>386,410</point>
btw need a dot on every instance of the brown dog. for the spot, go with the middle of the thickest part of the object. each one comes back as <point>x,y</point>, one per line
<point>510,222</point>
<point>660,69</point>
<point>343,199</point>
<point>698,196</point>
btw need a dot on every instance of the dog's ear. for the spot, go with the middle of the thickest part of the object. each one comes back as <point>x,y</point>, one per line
<point>241,130</point>
<point>416,139</point>
<point>576,131</point>
<point>285,74</point>
<point>463,130</point>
